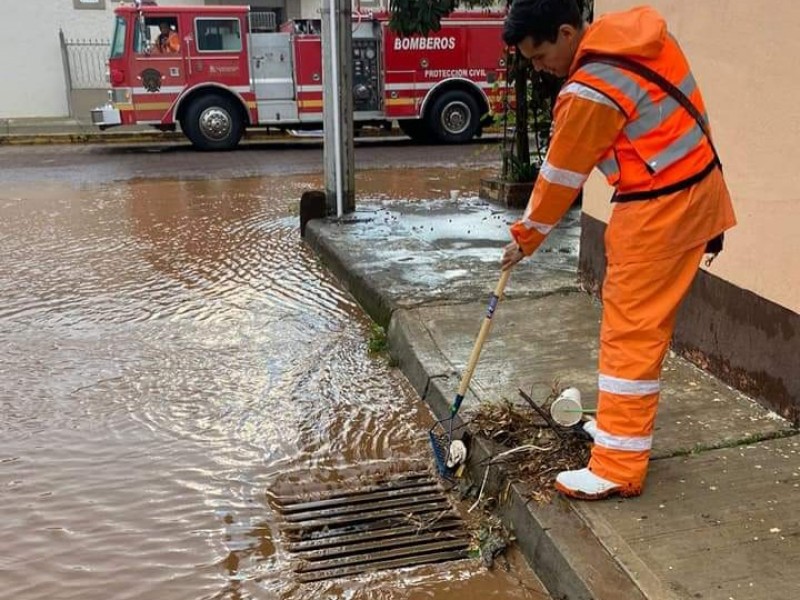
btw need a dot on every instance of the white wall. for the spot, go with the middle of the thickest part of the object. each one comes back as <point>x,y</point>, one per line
<point>309,9</point>
<point>30,54</point>
<point>744,55</point>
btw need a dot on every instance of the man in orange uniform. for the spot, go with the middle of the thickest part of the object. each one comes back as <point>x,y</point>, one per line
<point>672,205</point>
<point>168,41</point>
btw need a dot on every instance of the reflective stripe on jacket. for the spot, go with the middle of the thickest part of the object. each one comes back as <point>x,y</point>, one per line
<point>661,143</point>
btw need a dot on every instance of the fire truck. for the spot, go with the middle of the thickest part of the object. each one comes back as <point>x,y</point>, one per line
<point>217,70</point>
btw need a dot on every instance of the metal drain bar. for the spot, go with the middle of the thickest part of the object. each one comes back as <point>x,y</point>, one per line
<point>399,522</point>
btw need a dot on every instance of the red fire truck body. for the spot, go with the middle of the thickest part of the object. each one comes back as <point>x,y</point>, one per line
<point>211,70</point>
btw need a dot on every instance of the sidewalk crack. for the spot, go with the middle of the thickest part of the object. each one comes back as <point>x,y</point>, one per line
<point>745,441</point>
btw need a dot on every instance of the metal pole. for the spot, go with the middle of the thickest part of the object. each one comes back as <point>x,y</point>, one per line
<point>336,88</point>
<point>338,107</point>
<point>67,70</point>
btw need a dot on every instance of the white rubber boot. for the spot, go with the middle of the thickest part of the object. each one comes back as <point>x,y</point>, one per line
<point>585,485</point>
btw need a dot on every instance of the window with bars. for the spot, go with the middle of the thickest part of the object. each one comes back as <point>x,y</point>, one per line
<point>262,20</point>
<point>89,4</point>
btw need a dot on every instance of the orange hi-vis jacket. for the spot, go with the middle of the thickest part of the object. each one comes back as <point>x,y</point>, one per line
<point>169,44</point>
<point>648,146</point>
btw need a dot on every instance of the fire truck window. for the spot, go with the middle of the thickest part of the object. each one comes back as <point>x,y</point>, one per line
<point>118,42</point>
<point>156,35</point>
<point>218,35</point>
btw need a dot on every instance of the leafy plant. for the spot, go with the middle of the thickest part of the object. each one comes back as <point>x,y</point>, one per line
<point>378,341</point>
<point>520,171</point>
<point>409,17</point>
<point>420,17</point>
<point>520,161</point>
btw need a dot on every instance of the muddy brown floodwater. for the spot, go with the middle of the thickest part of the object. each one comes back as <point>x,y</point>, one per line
<point>168,349</point>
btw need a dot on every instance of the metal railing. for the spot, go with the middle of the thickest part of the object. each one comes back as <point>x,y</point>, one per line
<point>263,20</point>
<point>84,62</point>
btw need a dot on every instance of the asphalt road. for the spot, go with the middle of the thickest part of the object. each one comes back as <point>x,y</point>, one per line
<point>93,163</point>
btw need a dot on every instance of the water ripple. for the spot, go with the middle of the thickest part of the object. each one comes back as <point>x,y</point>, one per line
<point>169,348</point>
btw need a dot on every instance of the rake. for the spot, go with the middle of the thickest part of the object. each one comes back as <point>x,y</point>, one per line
<point>441,434</point>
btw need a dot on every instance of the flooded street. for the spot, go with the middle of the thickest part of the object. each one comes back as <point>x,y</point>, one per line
<point>170,347</point>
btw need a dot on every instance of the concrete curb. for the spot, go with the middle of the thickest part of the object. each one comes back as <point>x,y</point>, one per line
<point>146,137</point>
<point>155,137</point>
<point>36,139</point>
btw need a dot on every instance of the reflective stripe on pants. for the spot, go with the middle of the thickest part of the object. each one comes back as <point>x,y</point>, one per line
<point>640,302</point>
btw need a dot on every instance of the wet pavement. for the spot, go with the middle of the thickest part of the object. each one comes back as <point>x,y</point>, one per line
<point>79,164</point>
<point>170,349</point>
<point>442,251</point>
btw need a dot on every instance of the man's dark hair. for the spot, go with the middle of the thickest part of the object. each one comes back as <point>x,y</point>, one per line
<point>539,19</point>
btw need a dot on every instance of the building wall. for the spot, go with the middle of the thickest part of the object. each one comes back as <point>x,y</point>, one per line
<point>745,306</point>
<point>309,9</point>
<point>741,54</point>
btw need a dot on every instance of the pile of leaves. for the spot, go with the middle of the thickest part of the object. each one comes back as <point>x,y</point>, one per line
<point>534,449</point>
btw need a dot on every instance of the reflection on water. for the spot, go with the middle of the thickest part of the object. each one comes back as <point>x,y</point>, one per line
<point>169,348</point>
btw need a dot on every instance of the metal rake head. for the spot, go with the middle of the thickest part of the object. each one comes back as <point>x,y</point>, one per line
<point>440,443</point>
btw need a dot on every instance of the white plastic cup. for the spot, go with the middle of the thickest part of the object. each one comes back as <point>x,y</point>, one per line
<point>454,195</point>
<point>567,409</point>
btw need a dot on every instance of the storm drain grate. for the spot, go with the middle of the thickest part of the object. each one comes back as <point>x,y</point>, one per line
<point>400,522</point>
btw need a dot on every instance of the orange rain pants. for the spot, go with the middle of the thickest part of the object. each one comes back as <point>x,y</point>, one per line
<point>640,302</point>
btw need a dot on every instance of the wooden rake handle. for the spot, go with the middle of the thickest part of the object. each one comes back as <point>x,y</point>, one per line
<point>486,326</point>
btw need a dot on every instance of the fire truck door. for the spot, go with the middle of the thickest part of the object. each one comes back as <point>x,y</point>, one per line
<point>273,76</point>
<point>157,65</point>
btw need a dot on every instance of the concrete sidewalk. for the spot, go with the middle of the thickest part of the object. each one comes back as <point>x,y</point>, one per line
<point>720,516</point>
<point>74,131</point>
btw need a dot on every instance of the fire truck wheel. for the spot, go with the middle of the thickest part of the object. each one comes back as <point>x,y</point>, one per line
<point>213,123</point>
<point>454,117</point>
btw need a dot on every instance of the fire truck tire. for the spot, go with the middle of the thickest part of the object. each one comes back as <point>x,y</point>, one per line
<point>454,117</point>
<point>213,122</point>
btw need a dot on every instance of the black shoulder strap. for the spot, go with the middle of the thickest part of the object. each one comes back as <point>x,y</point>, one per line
<point>627,64</point>
<point>714,246</point>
